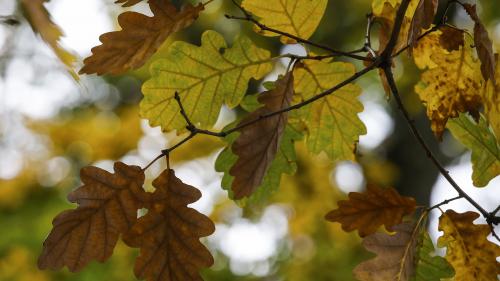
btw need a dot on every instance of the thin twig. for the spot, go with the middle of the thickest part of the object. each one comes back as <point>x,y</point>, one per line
<point>447,201</point>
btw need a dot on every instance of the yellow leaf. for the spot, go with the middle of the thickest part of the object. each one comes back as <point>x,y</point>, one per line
<point>468,250</point>
<point>452,87</point>
<point>296,17</point>
<point>204,79</point>
<point>491,99</point>
<point>333,123</point>
<point>139,38</point>
<point>40,22</point>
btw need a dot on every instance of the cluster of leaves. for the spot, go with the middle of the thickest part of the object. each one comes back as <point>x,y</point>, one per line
<point>315,100</point>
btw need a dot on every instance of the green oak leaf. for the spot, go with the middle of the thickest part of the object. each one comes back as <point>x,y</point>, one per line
<point>332,122</point>
<point>430,267</point>
<point>205,77</point>
<point>283,163</point>
<point>483,144</point>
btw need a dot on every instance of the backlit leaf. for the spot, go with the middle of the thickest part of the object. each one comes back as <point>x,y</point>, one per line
<point>258,143</point>
<point>395,255</point>
<point>168,235</point>
<point>406,255</point>
<point>467,249</point>
<point>205,77</point>
<point>450,88</point>
<point>483,144</point>
<point>333,123</point>
<point>108,206</point>
<point>41,23</point>
<point>451,38</point>
<point>296,17</point>
<point>369,210</point>
<point>139,38</point>
<point>483,45</point>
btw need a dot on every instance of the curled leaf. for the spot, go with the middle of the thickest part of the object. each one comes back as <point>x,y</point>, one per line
<point>422,19</point>
<point>451,38</point>
<point>139,38</point>
<point>108,206</point>
<point>369,210</point>
<point>168,235</point>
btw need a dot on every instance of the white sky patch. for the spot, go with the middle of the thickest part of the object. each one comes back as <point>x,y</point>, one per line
<point>293,49</point>
<point>378,122</point>
<point>348,177</point>
<point>82,22</point>
<point>488,197</point>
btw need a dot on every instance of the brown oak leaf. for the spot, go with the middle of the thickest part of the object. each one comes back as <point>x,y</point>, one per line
<point>451,38</point>
<point>369,210</point>
<point>139,38</point>
<point>108,206</point>
<point>258,143</point>
<point>483,44</point>
<point>422,19</point>
<point>395,255</point>
<point>168,235</point>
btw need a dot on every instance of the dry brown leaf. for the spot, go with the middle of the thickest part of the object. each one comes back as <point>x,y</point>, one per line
<point>483,44</point>
<point>451,38</point>
<point>127,3</point>
<point>139,38</point>
<point>108,206</point>
<point>257,144</point>
<point>369,210</point>
<point>422,19</point>
<point>395,260</point>
<point>40,22</point>
<point>468,250</point>
<point>168,235</point>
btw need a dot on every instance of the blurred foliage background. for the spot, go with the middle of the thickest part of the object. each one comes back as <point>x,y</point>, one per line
<point>51,126</point>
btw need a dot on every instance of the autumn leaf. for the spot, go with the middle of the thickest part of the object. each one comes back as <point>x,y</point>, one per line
<point>452,87</point>
<point>483,45</point>
<point>427,48</point>
<point>386,18</point>
<point>295,17</point>
<point>139,38</point>
<point>168,235</point>
<point>41,23</point>
<point>422,19</point>
<point>451,38</point>
<point>333,123</point>
<point>127,3</point>
<point>491,100</point>
<point>403,256</point>
<point>205,77</point>
<point>378,5</point>
<point>468,250</point>
<point>369,210</point>
<point>108,206</point>
<point>258,143</point>
<point>483,144</point>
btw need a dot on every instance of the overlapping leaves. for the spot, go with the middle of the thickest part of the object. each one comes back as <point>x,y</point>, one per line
<point>107,208</point>
<point>205,78</point>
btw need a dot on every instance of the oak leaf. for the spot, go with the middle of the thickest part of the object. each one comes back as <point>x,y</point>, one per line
<point>491,100</point>
<point>205,77</point>
<point>422,19</point>
<point>484,146</point>
<point>139,38</point>
<point>403,256</point>
<point>427,48</point>
<point>452,87</point>
<point>108,206</point>
<point>451,38</point>
<point>332,122</point>
<point>483,44</point>
<point>41,23</point>
<point>369,210</point>
<point>168,235</point>
<point>258,143</point>
<point>296,17</point>
<point>468,250</point>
